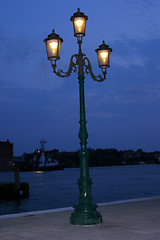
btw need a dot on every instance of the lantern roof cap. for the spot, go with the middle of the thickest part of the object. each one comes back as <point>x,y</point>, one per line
<point>78,14</point>
<point>53,35</point>
<point>103,46</point>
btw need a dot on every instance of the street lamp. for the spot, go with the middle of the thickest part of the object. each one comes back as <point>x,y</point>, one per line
<point>85,212</point>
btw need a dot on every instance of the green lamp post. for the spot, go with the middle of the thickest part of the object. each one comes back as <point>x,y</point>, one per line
<point>85,212</point>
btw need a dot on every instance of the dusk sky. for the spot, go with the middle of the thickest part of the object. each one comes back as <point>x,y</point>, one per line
<point>123,112</point>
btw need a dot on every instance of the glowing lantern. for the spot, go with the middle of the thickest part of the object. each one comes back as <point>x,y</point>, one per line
<point>53,46</point>
<point>104,54</point>
<point>79,23</point>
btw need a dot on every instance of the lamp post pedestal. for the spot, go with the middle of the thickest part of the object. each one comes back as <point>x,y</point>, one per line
<point>85,212</point>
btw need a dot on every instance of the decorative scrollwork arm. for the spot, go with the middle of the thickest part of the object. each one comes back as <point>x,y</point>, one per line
<point>72,67</point>
<point>88,69</point>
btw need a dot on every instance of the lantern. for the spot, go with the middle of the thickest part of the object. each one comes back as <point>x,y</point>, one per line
<point>53,46</point>
<point>104,54</point>
<point>79,23</point>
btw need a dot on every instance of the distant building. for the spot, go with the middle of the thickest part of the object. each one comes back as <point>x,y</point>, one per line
<point>6,154</point>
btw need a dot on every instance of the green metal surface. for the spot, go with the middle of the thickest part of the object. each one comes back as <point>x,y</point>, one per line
<point>85,212</point>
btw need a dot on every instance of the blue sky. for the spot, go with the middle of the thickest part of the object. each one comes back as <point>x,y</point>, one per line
<point>122,112</point>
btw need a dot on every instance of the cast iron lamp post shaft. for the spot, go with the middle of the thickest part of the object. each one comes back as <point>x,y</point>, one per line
<point>83,135</point>
<point>84,181</point>
<point>85,212</point>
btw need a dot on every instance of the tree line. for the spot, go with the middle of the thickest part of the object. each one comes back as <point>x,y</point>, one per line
<point>97,157</point>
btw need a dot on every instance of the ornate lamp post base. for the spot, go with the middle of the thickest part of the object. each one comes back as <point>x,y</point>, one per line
<point>85,215</point>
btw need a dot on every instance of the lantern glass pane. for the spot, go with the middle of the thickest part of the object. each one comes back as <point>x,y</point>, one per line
<point>109,57</point>
<point>103,58</point>
<point>52,49</point>
<point>59,48</point>
<point>79,25</point>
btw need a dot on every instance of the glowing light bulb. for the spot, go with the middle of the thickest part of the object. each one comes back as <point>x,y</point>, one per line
<point>53,45</point>
<point>79,23</point>
<point>104,54</point>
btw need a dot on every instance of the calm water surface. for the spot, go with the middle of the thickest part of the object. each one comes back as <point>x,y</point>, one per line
<point>58,189</point>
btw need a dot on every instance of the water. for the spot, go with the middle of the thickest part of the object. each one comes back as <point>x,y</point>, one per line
<point>57,189</point>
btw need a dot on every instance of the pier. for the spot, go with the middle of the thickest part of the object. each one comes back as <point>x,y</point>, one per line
<point>134,219</point>
<point>8,191</point>
<point>16,189</point>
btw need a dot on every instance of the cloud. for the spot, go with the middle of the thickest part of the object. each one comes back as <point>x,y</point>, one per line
<point>130,60</point>
<point>158,66</point>
<point>103,115</point>
<point>15,49</point>
<point>137,19</point>
<point>133,93</point>
<point>24,65</point>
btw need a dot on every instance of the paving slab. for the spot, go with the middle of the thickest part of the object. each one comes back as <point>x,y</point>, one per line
<point>133,220</point>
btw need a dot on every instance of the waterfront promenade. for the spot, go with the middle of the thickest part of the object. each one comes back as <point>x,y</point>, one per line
<point>130,220</point>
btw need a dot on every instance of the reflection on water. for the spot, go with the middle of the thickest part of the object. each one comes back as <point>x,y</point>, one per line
<point>57,189</point>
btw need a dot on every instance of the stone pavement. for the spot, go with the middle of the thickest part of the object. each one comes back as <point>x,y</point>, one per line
<point>132,220</point>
